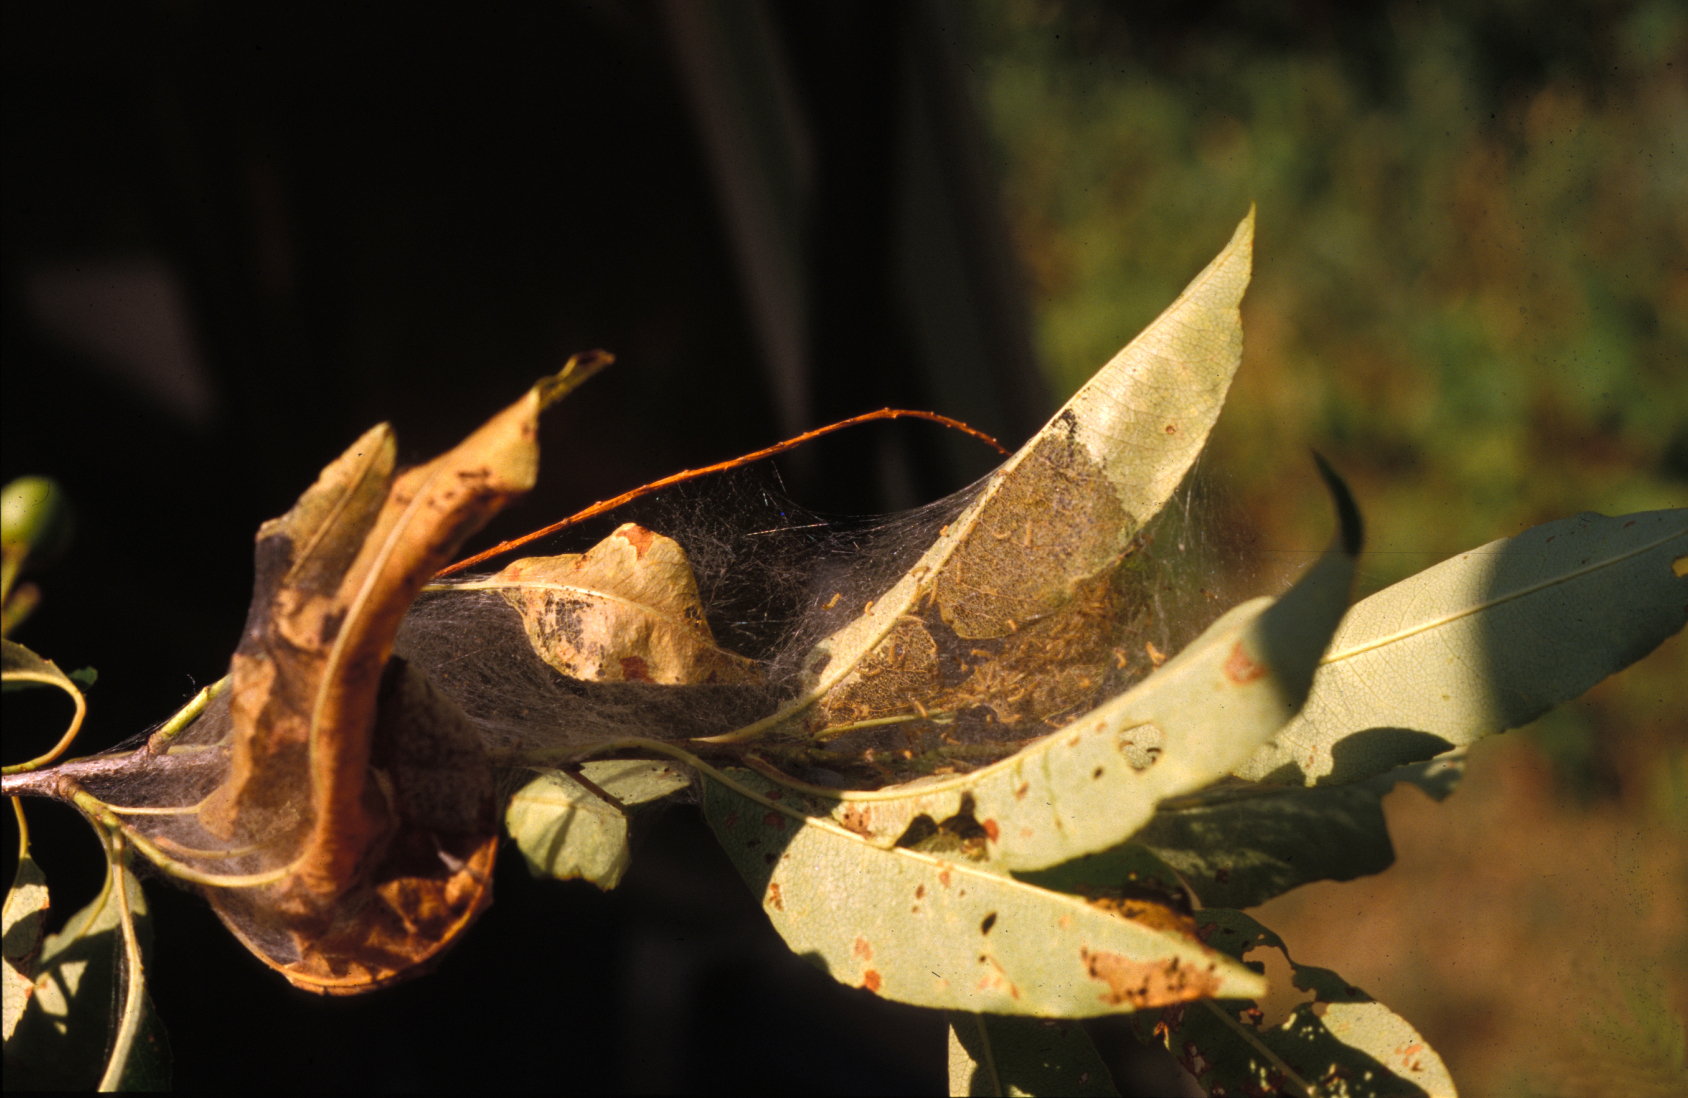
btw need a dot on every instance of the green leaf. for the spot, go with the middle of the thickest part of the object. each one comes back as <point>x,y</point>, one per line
<point>63,1039</point>
<point>1343,1042</point>
<point>1240,844</point>
<point>1092,784</point>
<point>1486,641</point>
<point>566,830</point>
<point>21,669</point>
<point>943,932</point>
<point>990,1054</point>
<point>24,919</point>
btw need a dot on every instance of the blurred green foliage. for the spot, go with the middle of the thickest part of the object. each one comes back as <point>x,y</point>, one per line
<point>1470,293</point>
<point>1470,289</point>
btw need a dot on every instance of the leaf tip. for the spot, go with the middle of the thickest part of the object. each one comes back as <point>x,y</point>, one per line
<point>579,368</point>
<point>1353,527</point>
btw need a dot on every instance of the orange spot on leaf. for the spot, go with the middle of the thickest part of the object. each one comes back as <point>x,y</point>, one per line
<point>1240,669</point>
<point>638,536</point>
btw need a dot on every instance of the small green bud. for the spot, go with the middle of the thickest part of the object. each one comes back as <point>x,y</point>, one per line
<point>35,518</point>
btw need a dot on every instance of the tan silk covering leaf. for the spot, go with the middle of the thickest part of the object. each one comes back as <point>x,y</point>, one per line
<point>379,821</point>
<point>1093,783</point>
<point>1021,578</point>
<point>940,932</point>
<point>626,610</point>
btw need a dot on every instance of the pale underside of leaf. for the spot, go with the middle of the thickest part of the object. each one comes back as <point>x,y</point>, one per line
<point>1483,642</point>
<point>924,930</point>
<point>24,921</point>
<point>1062,510</point>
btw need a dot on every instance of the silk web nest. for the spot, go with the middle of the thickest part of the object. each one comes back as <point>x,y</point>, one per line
<point>338,796</point>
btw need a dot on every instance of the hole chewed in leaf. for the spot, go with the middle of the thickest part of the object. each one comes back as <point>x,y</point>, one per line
<point>959,834</point>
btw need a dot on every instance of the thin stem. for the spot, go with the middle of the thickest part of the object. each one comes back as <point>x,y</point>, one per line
<point>138,810</point>
<point>59,748</point>
<point>23,841</point>
<point>99,811</point>
<point>134,998</point>
<point>185,716</point>
<point>833,732</point>
<point>990,1054</point>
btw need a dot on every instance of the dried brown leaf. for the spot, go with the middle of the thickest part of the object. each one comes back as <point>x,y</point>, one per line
<point>365,791</point>
<point>626,610</point>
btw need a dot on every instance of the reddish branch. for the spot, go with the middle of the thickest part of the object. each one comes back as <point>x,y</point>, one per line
<point>691,474</point>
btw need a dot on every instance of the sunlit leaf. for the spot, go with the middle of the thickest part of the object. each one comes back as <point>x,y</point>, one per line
<point>566,830</point>
<point>1486,641</point>
<point>936,930</point>
<point>1342,1042</point>
<point>64,1034</point>
<point>21,669</point>
<point>24,922</point>
<point>992,1054</point>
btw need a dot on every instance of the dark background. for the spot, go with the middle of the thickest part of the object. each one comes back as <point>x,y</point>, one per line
<point>237,236</point>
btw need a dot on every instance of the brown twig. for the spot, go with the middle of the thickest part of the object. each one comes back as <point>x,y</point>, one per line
<point>692,474</point>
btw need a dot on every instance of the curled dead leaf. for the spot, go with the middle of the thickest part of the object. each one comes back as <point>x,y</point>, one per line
<point>626,610</point>
<point>363,794</point>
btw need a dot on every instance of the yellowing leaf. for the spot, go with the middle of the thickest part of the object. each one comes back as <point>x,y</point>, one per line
<point>354,835</point>
<point>625,610</point>
<point>938,932</point>
<point>1483,642</point>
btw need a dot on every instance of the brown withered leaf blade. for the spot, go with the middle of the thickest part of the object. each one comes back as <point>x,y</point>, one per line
<point>354,835</point>
<point>626,610</point>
